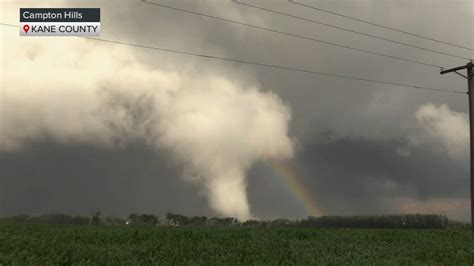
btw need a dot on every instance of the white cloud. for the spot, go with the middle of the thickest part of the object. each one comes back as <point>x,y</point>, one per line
<point>442,125</point>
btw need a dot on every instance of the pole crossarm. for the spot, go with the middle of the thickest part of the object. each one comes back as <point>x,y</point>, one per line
<point>468,65</point>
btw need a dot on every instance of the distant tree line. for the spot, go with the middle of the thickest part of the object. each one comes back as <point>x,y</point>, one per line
<point>413,221</point>
<point>419,221</point>
<point>61,218</point>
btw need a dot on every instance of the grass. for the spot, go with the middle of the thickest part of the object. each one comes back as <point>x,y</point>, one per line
<point>35,244</point>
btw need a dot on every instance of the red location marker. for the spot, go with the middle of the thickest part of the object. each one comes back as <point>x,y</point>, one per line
<point>26,28</point>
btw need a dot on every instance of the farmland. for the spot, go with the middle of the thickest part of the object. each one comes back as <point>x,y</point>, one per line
<point>86,244</point>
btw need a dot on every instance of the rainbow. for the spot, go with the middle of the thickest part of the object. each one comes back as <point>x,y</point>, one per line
<point>289,174</point>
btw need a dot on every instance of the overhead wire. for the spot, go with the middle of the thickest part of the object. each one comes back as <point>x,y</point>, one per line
<point>262,64</point>
<point>348,30</point>
<point>381,26</point>
<point>292,35</point>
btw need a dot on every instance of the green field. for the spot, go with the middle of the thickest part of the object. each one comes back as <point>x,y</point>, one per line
<point>23,244</point>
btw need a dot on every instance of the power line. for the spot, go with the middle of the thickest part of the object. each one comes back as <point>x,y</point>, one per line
<point>380,25</point>
<point>349,30</point>
<point>292,35</point>
<point>263,64</point>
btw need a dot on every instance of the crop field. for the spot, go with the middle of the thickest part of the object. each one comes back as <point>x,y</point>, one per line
<point>65,244</point>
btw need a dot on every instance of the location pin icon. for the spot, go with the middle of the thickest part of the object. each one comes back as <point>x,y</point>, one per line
<point>26,28</point>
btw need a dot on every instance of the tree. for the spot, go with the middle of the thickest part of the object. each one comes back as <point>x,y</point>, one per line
<point>254,223</point>
<point>149,219</point>
<point>226,221</point>
<point>198,220</point>
<point>171,218</point>
<point>96,218</point>
<point>281,222</point>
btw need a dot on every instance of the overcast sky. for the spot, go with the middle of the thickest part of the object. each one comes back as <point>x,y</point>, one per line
<point>76,136</point>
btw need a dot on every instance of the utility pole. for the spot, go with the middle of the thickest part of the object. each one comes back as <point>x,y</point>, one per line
<point>470,88</point>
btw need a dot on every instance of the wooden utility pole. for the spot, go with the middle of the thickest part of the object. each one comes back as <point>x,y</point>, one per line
<point>470,88</point>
